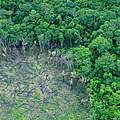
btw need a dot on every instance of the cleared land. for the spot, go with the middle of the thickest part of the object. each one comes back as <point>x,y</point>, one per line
<point>32,89</point>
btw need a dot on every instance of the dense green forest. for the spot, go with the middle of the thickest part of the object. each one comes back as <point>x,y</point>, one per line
<point>87,32</point>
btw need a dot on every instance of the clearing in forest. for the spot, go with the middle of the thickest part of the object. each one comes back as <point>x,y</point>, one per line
<point>32,89</point>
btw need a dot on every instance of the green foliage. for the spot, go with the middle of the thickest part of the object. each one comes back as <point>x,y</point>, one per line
<point>105,63</point>
<point>73,19</point>
<point>90,27</point>
<point>81,58</point>
<point>99,46</point>
<point>18,114</point>
<point>106,99</point>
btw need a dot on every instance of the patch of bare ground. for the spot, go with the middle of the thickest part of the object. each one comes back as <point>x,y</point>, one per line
<point>31,88</point>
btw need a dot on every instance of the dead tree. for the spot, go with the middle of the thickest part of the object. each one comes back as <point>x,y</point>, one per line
<point>66,76</point>
<point>52,56</point>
